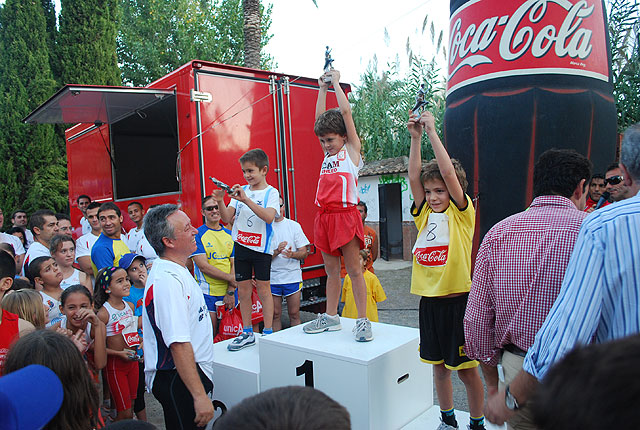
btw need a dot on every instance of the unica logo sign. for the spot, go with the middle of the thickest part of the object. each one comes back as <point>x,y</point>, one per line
<point>496,38</point>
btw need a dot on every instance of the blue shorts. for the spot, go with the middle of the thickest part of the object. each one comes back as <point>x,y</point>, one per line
<point>211,301</point>
<point>285,290</point>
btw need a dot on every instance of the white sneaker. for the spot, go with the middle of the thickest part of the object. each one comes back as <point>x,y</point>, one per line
<point>322,323</point>
<point>445,426</point>
<point>242,341</point>
<point>362,330</point>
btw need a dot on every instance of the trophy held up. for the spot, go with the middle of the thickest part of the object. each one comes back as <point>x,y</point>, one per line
<point>328,64</point>
<point>420,101</point>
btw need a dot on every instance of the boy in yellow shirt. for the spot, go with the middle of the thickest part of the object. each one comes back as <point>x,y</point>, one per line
<point>375,293</point>
<point>441,274</point>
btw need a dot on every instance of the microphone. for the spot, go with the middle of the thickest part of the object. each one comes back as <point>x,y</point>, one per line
<point>603,199</point>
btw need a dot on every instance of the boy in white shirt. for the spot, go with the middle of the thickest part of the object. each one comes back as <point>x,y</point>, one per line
<point>290,248</point>
<point>254,206</point>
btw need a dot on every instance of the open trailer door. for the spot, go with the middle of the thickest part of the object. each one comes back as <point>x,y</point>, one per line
<point>125,134</point>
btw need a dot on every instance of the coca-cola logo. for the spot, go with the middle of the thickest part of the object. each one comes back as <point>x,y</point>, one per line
<point>496,38</point>
<point>432,256</point>
<point>131,339</point>
<point>251,239</point>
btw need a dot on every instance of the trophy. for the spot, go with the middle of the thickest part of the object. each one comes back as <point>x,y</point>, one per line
<point>328,64</point>
<point>221,185</point>
<point>420,101</point>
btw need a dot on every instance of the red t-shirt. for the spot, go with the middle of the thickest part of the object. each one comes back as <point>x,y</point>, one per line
<point>8,333</point>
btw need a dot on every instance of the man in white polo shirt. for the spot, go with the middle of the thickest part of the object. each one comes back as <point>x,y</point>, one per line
<point>178,336</point>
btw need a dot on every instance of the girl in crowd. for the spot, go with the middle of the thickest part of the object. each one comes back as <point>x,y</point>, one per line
<point>63,250</point>
<point>46,276</point>
<point>112,284</point>
<point>27,304</point>
<point>79,410</point>
<point>76,304</point>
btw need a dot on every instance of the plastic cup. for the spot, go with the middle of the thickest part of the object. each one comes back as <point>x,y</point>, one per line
<point>219,308</point>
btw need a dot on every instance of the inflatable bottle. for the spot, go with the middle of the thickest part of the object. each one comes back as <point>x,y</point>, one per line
<point>524,77</point>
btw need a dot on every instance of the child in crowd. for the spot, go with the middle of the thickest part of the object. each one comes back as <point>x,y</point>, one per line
<point>441,275</point>
<point>27,304</point>
<point>375,293</point>
<point>136,268</point>
<point>79,410</point>
<point>76,304</point>
<point>338,225</point>
<point>112,285</point>
<point>46,276</point>
<point>63,250</point>
<point>254,206</point>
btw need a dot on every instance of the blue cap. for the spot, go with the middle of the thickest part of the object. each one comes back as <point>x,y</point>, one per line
<point>127,259</point>
<point>29,397</point>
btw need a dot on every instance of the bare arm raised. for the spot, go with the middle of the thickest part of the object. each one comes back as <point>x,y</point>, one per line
<point>445,165</point>
<point>353,141</point>
<point>415,160</point>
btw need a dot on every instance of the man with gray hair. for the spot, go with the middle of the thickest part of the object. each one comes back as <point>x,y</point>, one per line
<point>599,294</point>
<point>178,341</point>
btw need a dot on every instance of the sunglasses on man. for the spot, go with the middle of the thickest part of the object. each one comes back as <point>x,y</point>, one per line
<point>211,208</point>
<point>614,180</point>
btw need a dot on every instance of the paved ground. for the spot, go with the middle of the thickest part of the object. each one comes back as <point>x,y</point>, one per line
<point>400,308</point>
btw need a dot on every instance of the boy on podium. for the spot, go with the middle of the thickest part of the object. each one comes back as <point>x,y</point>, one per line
<point>441,274</point>
<point>338,227</point>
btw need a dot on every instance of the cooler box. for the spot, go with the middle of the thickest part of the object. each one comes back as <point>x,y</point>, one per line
<point>382,383</point>
<point>236,375</point>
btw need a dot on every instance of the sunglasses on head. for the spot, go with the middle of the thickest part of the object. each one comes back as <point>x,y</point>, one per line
<point>211,208</point>
<point>614,180</point>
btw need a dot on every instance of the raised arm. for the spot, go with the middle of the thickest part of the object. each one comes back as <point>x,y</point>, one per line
<point>321,103</point>
<point>353,141</point>
<point>415,160</point>
<point>445,165</point>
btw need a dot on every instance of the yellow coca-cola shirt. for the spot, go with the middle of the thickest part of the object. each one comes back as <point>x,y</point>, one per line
<point>442,253</point>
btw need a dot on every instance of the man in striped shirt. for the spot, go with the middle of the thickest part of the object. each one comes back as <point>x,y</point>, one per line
<point>600,292</point>
<point>519,270</point>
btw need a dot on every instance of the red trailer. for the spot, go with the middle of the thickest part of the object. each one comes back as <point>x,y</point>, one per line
<point>161,143</point>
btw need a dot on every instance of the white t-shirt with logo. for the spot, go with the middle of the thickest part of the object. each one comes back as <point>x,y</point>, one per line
<point>287,270</point>
<point>174,306</point>
<point>53,308</point>
<point>249,230</point>
<point>84,244</point>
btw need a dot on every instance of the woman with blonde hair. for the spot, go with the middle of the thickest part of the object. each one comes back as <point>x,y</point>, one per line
<point>27,304</point>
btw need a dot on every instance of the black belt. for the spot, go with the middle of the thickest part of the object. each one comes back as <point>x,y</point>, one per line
<point>514,350</point>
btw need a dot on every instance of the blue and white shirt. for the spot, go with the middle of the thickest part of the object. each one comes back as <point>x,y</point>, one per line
<point>600,292</point>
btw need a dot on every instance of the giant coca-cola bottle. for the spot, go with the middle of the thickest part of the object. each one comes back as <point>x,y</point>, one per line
<point>524,77</point>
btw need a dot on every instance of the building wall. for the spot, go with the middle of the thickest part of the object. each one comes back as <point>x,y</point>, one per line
<point>368,193</point>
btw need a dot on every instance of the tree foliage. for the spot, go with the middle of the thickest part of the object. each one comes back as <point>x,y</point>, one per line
<point>86,43</point>
<point>33,169</point>
<point>157,36</point>
<point>382,102</point>
<point>624,38</point>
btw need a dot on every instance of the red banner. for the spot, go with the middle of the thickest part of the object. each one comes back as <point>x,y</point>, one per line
<point>496,38</point>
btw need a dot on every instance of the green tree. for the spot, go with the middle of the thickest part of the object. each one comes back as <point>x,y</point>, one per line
<point>157,36</point>
<point>382,102</point>
<point>33,169</point>
<point>86,43</point>
<point>624,38</point>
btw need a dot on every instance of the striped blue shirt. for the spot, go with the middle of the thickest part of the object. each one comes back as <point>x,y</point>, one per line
<point>599,297</point>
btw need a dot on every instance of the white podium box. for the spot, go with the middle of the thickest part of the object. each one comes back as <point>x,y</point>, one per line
<point>236,375</point>
<point>382,383</point>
